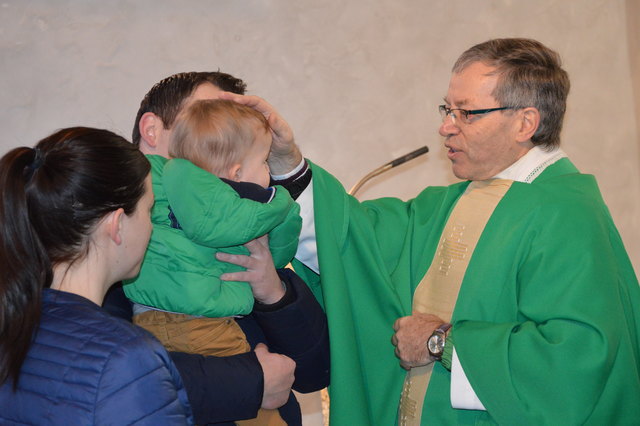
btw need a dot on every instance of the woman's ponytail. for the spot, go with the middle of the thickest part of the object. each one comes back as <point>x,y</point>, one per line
<point>24,263</point>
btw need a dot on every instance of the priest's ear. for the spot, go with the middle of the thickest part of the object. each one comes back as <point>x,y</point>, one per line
<point>528,123</point>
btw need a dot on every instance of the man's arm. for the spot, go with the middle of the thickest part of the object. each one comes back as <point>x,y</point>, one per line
<point>299,330</point>
<point>221,389</point>
<point>290,317</point>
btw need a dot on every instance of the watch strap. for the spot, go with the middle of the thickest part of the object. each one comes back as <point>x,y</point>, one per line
<point>447,353</point>
<point>443,328</point>
<point>439,333</point>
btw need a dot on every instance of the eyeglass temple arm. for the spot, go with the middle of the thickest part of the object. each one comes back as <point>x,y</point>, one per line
<point>388,166</point>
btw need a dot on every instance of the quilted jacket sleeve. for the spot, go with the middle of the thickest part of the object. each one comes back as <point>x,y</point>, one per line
<point>140,385</point>
<point>283,239</point>
<point>206,193</point>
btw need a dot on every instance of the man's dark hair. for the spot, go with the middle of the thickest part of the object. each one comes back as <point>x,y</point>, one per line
<point>165,99</point>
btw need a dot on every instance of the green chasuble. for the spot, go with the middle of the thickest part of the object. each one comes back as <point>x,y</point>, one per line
<point>547,322</point>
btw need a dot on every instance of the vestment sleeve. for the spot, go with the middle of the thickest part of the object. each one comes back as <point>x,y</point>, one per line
<point>381,224</point>
<point>553,363</point>
<point>193,207</point>
<point>359,249</point>
<point>141,385</point>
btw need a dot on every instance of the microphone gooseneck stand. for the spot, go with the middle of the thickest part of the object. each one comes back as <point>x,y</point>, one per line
<point>388,166</point>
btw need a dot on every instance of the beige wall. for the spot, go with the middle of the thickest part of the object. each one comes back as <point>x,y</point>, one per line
<point>633,37</point>
<point>359,80</point>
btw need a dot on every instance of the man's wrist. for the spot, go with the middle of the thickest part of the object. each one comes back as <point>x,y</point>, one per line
<point>287,298</point>
<point>437,341</point>
<point>289,174</point>
<point>281,165</point>
<point>296,181</point>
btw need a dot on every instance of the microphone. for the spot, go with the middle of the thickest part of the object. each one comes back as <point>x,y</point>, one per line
<point>388,166</point>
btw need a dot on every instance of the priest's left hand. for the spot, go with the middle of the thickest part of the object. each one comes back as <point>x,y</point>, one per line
<point>410,338</point>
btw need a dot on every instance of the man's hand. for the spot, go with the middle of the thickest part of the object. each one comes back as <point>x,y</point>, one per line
<point>260,272</point>
<point>285,154</point>
<point>410,338</point>
<point>278,376</point>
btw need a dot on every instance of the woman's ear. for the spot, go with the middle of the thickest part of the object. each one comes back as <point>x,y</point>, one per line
<point>114,225</point>
<point>529,123</point>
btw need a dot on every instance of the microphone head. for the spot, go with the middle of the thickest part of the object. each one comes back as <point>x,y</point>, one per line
<point>410,156</point>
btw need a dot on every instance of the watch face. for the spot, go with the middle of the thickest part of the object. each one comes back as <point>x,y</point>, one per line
<point>435,344</point>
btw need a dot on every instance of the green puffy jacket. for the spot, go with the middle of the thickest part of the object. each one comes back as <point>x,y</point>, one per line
<point>180,272</point>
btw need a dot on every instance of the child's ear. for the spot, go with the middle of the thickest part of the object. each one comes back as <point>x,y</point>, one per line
<point>234,172</point>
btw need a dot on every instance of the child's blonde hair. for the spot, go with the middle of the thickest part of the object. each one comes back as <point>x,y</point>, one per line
<point>215,134</point>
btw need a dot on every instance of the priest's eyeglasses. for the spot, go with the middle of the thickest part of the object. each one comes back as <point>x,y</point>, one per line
<point>459,115</point>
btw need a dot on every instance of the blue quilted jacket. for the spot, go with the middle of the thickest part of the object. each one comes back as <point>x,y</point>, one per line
<point>86,367</point>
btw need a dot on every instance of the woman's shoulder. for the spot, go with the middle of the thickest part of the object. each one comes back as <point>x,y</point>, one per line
<point>79,324</point>
<point>110,369</point>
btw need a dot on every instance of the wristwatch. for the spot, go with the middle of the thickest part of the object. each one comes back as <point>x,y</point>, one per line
<point>435,344</point>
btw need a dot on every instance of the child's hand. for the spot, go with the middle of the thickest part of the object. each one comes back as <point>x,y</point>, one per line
<point>260,272</point>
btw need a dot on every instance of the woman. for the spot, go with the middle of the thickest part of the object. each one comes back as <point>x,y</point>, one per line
<point>74,218</point>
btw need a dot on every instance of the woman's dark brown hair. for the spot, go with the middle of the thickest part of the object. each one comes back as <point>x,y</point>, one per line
<point>51,197</point>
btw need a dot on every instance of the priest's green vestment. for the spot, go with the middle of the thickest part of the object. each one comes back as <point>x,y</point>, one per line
<point>546,325</point>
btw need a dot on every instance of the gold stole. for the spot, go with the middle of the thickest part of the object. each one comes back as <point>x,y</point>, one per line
<point>438,291</point>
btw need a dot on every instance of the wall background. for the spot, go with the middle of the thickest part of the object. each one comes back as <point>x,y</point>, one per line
<point>359,81</point>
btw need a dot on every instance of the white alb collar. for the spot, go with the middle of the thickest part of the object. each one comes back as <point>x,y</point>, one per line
<point>529,166</point>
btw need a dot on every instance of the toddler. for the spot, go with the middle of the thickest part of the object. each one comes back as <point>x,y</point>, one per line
<point>212,195</point>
